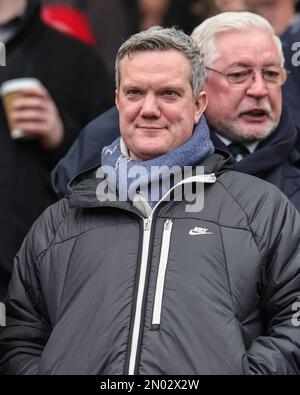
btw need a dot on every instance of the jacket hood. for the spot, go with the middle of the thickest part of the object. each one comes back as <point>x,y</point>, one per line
<point>83,188</point>
<point>271,152</point>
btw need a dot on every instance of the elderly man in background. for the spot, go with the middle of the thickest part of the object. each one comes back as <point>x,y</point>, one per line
<point>245,75</point>
<point>285,20</point>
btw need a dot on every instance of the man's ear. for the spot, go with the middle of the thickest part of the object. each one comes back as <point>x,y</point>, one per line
<point>117,98</point>
<point>200,106</point>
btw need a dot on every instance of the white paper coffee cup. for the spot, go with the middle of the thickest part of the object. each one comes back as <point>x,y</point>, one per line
<point>11,90</point>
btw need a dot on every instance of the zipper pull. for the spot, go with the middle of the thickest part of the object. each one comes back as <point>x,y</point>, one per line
<point>167,224</point>
<point>213,176</point>
<point>147,224</point>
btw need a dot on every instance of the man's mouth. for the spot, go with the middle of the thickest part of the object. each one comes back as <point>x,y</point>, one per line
<point>150,128</point>
<point>255,114</point>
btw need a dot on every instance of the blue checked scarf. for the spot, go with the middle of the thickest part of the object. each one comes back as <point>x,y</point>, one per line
<point>195,149</point>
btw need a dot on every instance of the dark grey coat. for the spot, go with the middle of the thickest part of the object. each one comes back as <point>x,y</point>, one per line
<point>229,291</point>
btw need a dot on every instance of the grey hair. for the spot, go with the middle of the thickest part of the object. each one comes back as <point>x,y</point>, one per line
<point>157,39</point>
<point>206,33</point>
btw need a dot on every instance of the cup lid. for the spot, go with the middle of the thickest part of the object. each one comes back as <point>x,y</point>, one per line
<point>18,84</point>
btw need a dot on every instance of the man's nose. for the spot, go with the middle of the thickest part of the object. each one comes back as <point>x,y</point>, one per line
<point>257,87</point>
<point>150,107</point>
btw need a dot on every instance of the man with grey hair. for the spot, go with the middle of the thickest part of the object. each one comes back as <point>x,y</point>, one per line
<point>245,74</point>
<point>285,20</point>
<point>130,276</point>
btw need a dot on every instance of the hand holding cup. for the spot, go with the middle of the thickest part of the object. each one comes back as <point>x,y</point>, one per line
<point>31,112</point>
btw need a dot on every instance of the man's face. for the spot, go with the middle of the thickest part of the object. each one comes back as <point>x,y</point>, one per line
<point>10,9</point>
<point>14,4</point>
<point>230,5</point>
<point>257,5</point>
<point>250,111</point>
<point>156,104</point>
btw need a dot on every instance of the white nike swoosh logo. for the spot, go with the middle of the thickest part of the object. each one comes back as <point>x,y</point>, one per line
<point>192,232</point>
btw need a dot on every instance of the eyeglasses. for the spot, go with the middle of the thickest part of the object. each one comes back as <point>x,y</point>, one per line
<point>273,76</point>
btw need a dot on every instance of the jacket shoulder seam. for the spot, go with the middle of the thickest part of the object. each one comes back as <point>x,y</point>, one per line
<point>54,234</point>
<point>255,235</point>
<point>294,193</point>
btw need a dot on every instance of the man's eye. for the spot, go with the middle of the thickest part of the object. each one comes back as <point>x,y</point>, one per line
<point>240,75</point>
<point>133,93</point>
<point>271,74</point>
<point>170,93</point>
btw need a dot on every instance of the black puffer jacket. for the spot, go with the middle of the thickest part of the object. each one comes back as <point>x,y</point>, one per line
<point>98,289</point>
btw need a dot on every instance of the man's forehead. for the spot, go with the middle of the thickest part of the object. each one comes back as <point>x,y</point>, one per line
<point>153,54</point>
<point>239,47</point>
<point>164,64</point>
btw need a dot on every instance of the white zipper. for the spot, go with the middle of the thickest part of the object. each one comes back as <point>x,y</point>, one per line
<point>164,255</point>
<point>140,295</point>
<point>205,178</point>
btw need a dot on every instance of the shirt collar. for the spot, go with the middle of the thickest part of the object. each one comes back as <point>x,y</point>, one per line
<point>124,148</point>
<point>251,147</point>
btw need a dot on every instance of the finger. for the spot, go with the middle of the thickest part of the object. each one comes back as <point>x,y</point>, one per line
<point>37,129</point>
<point>29,115</point>
<point>29,102</point>
<point>39,91</point>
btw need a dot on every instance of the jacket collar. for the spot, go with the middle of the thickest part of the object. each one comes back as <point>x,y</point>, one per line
<point>83,189</point>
